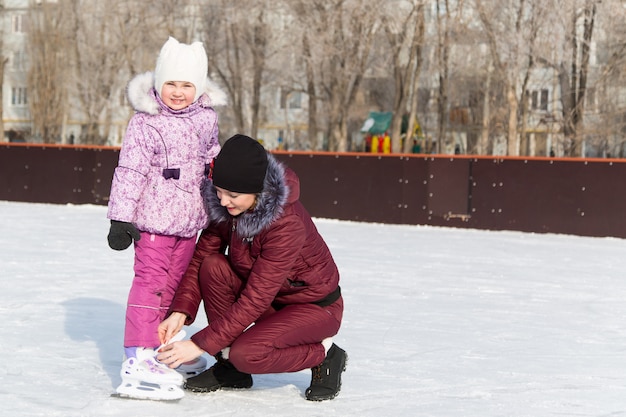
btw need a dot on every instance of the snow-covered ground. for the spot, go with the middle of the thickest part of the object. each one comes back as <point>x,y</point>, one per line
<point>438,322</point>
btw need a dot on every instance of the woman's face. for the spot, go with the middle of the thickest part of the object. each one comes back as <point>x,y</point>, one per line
<point>235,203</point>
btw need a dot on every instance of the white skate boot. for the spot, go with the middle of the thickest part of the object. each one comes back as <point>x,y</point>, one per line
<point>144,377</point>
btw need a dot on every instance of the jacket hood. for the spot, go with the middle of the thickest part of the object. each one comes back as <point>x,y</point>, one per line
<point>281,187</point>
<point>141,94</point>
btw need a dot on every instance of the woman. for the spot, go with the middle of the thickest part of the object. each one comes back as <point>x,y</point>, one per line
<point>268,281</point>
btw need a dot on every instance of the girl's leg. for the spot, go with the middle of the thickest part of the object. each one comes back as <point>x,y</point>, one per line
<point>143,311</point>
<point>288,340</point>
<point>181,254</point>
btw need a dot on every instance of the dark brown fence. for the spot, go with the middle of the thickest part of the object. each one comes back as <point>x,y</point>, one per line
<point>574,196</point>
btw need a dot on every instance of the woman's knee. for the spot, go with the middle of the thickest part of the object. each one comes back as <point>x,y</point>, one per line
<point>213,263</point>
<point>215,269</point>
<point>219,285</point>
<point>251,359</point>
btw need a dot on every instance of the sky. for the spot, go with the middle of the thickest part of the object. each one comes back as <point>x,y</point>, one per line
<point>438,322</point>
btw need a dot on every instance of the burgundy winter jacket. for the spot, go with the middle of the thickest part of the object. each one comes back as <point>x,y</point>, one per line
<point>275,249</point>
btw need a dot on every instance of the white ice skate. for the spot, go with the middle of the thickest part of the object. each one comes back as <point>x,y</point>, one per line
<point>144,377</point>
<point>192,368</point>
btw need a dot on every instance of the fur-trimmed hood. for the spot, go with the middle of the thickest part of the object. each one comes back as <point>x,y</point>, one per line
<point>281,187</point>
<point>141,94</point>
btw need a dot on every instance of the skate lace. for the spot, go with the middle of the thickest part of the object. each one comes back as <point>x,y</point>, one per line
<point>317,373</point>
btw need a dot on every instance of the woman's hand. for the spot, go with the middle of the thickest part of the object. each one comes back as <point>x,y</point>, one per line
<point>170,326</point>
<point>177,353</point>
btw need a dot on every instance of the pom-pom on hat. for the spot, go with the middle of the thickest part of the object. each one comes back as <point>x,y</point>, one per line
<point>240,166</point>
<point>182,62</point>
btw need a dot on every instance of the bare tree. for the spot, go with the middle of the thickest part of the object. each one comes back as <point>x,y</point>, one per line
<point>405,37</point>
<point>325,48</point>
<point>308,20</point>
<point>239,43</point>
<point>573,81</point>
<point>483,142</point>
<point>3,61</point>
<point>47,42</point>
<point>96,58</point>
<point>226,55</point>
<point>511,31</point>
<point>532,25</point>
<point>311,89</point>
<point>603,94</point>
<point>339,35</point>
<point>141,32</point>
<point>351,26</point>
<point>443,54</point>
<point>260,33</point>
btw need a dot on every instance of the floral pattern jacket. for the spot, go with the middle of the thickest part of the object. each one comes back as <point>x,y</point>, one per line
<point>163,159</point>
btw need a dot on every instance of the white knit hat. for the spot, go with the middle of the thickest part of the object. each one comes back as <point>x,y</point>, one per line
<point>181,62</point>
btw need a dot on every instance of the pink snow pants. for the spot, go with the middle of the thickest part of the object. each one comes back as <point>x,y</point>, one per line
<point>287,340</point>
<point>160,262</point>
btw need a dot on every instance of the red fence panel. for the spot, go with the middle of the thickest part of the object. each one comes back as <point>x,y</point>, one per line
<point>556,195</point>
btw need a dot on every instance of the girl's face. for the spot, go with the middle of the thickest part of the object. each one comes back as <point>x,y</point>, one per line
<point>178,94</point>
<point>235,203</point>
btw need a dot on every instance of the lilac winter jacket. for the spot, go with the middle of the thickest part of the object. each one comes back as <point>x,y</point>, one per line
<point>158,138</point>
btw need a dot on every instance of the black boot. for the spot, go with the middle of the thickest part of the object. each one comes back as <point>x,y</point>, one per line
<point>222,374</point>
<point>326,378</point>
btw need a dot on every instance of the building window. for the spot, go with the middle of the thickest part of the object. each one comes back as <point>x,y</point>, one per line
<point>18,23</point>
<point>290,99</point>
<point>19,96</point>
<point>19,61</point>
<point>539,99</point>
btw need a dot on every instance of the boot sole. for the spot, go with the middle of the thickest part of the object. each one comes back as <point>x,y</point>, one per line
<point>201,390</point>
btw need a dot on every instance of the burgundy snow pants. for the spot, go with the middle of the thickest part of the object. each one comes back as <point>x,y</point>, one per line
<point>160,262</point>
<point>284,340</point>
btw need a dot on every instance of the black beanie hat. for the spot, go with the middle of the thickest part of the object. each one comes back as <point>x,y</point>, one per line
<point>240,166</point>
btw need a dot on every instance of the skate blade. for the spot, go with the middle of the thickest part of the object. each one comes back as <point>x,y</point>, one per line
<point>128,397</point>
<point>146,391</point>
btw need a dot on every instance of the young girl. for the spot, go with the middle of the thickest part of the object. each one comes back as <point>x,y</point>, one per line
<point>155,201</point>
<point>269,283</point>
